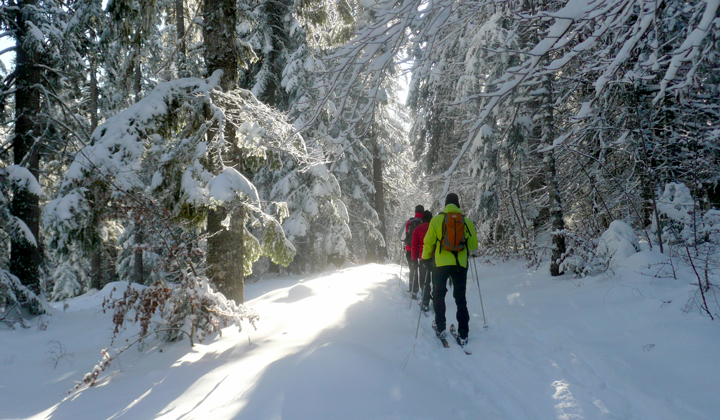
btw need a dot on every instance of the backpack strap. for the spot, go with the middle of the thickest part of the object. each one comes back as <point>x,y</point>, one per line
<point>442,234</point>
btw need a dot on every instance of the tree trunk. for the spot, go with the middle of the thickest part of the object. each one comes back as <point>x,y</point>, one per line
<point>96,260</point>
<point>138,270</point>
<point>137,78</point>
<point>226,253</point>
<point>219,33</point>
<point>554,202</point>
<point>25,258</point>
<point>138,273</point>
<point>182,46</point>
<point>93,97</point>
<point>556,215</point>
<point>96,270</point>
<point>237,226</point>
<point>379,199</point>
<point>225,257</point>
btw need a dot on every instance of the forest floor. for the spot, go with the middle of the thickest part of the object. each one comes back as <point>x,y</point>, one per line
<point>341,345</point>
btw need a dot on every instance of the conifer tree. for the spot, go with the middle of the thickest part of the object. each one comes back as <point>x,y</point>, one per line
<point>26,256</point>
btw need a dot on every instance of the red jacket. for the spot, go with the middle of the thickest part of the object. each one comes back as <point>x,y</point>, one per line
<point>416,249</point>
<point>407,226</point>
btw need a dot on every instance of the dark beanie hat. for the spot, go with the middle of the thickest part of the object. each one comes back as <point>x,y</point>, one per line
<point>452,198</point>
<point>427,216</point>
<point>419,208</point>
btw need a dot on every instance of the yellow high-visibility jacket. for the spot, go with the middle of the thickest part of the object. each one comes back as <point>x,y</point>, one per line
<point>433,239</point>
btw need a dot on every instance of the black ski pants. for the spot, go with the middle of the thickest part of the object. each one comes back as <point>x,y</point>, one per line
<point>458,274</point>
<point>413,276</point>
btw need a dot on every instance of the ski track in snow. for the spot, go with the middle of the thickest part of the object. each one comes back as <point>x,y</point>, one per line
<point>340,345</point>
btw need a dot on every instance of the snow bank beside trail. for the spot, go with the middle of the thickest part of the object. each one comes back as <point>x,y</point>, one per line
<point>620,345</point>
<point>94,298</point>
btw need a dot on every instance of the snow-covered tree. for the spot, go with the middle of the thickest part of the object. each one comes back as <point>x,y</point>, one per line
<point>153,162</point>
<point>16,299</point>
<point>548,106</point>
<point>317,219</point>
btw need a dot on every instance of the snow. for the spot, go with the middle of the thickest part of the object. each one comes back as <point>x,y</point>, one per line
<point>117,145</point>
<point>24,231</point>
<point>584,110</point>
<point>341,345</point>
<point>617,243</point>
<point>22,178</point>
<point>228,183</point>
<point>296,226</point>
<point>690,48</point>
<point>676,202</point>
<point>157,180</point>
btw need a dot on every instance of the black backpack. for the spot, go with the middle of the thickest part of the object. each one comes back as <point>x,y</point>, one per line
<point>412,224</point>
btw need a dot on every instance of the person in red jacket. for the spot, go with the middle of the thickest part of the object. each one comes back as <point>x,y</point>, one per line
<point>416,252</point>
<point>408,229</point>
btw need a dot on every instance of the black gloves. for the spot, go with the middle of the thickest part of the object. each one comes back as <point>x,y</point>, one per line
<point>427,263</point>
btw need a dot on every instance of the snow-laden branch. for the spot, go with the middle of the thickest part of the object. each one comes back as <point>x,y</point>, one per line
<point>690,48</point>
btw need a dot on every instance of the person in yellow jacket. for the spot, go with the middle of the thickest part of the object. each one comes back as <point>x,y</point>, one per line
<point>449,264</point>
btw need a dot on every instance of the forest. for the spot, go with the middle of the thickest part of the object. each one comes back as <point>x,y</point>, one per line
<point>192,146</point>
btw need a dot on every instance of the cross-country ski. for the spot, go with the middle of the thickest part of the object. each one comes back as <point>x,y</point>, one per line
<point>459,340</point>
<point>441,336</point>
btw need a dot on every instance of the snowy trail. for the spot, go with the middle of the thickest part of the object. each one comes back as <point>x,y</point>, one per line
<point>341,345</point>
<point>583,357</point>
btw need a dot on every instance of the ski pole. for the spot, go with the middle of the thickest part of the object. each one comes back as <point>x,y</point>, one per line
<point>410,283</point>
<point>427,274</point>
<point>402,259</point>
<point>485,325</point>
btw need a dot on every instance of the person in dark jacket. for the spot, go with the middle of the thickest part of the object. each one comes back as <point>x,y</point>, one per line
<point>416,251</point>
<point>451,265</point>
<point>408,229</point>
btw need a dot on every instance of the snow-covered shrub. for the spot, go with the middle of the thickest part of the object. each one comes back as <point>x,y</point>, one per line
<point>500,239</point>
<point>682,221</point>
<point>710,229</point>
<point>616,244</point>
<point>675,209</point>
<point>189,308</point>
<point>579,259</point>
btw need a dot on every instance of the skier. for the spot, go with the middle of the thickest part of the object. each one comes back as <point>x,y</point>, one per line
<point>408,229</point>
<point>416,249</point>
<point>451,236</point>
